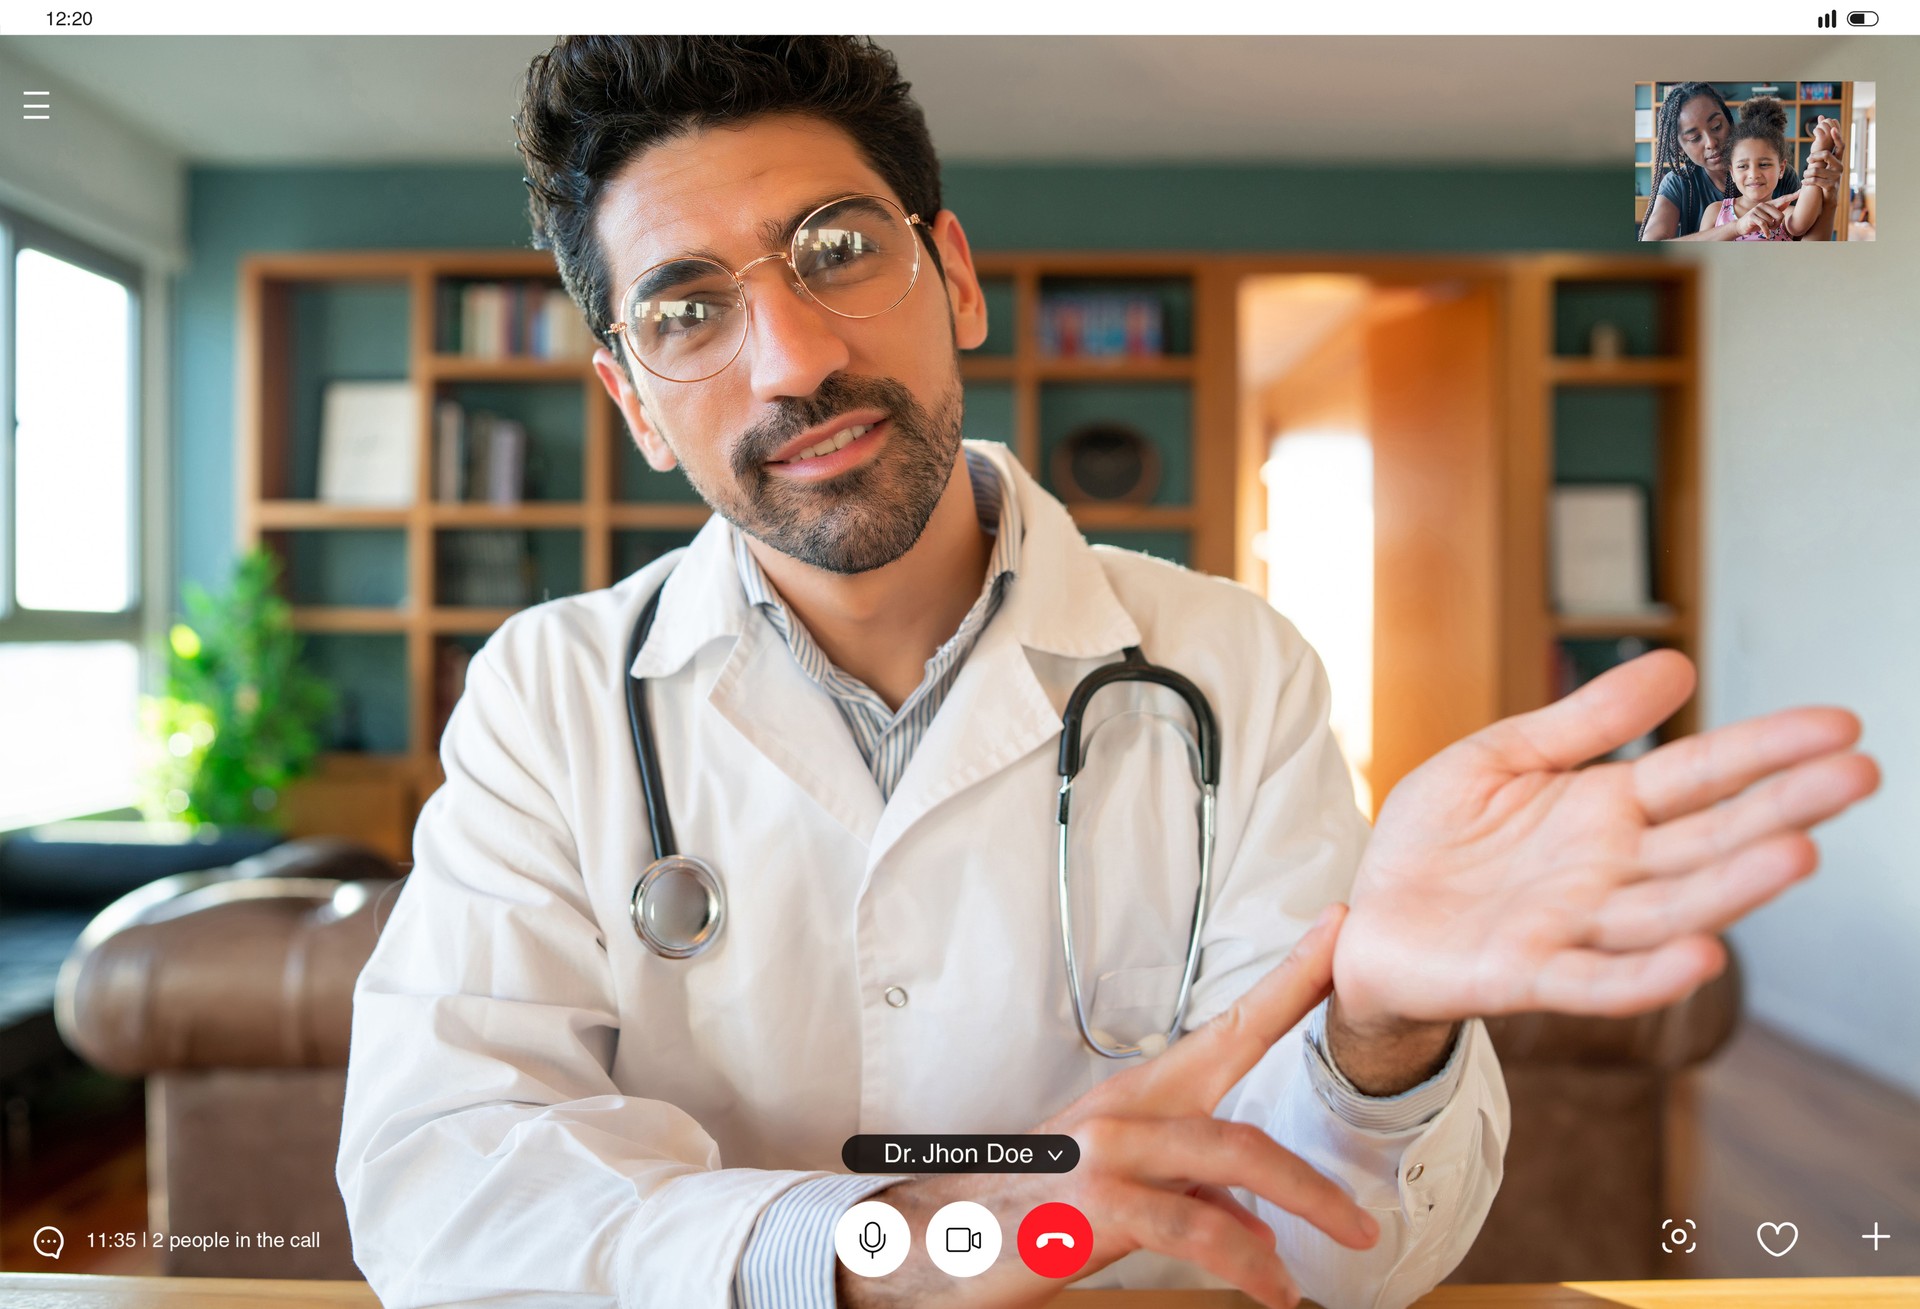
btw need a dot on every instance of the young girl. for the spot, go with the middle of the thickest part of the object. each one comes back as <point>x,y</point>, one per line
<point>1759,154</point>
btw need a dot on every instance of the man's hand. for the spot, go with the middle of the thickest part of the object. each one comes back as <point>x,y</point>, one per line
<point>1155,1165</point>
<point>1502,877</point>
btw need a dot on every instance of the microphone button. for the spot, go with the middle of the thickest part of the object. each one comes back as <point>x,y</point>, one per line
<point>871,1238</point>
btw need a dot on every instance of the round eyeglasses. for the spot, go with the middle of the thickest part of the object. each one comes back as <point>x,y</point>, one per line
<point>685,320</point>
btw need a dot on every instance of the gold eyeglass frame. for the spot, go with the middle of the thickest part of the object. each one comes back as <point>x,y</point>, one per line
<point>795,279</point>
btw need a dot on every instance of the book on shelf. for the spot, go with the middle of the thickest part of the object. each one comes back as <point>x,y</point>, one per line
<point>502,320</point>
<point>1103,325</point>
<point>478,456</point>
<point>488,569</point>
<point>368,443</point>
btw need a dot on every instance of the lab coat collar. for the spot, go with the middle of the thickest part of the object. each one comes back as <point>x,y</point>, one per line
<point>701,602</point>
<point>1060,601</point>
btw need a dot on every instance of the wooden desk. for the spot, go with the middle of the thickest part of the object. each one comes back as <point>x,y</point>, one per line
<point>54,1291</point>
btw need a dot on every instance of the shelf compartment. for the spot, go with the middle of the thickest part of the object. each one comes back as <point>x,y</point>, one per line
<point>328,331</point>
<point>341,568</point>
<point>554,416</point>
<point>1642,309</point>
<point>1614,436</point>
<point>504,568</point>
<point>1162,412</point>
<point>368,672</point>
<point>1171,297</point>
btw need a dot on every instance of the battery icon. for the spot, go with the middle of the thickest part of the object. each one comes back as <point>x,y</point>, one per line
<point>1862,18</point>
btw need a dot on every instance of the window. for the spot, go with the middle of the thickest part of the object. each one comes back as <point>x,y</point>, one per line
<point>70,596</point>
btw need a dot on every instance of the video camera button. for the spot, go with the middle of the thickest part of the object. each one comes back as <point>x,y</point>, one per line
<point>963,1239</point>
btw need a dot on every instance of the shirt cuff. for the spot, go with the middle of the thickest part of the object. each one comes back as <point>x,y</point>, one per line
<point>788,1260</point>
<point>1378,1113</point>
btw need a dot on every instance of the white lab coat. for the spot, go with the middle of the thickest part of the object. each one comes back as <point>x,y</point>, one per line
<point>541,1111</point>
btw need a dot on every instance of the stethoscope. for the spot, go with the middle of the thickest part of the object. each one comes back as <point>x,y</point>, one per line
<point>679,906</point>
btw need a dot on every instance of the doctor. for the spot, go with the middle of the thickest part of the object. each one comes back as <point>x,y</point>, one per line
<point>856,677</point>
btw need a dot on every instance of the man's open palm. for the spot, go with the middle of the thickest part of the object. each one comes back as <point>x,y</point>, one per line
<point>1504,877</point>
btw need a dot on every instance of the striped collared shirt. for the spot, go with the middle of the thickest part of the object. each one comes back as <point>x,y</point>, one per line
<point>887,738</point>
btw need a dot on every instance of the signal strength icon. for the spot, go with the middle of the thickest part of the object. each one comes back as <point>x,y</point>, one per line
<point>1830,19</point>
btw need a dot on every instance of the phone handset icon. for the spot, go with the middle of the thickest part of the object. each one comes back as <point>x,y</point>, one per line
<point>1065,1238</point>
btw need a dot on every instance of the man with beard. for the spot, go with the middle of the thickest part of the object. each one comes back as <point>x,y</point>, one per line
<point>856,677</point>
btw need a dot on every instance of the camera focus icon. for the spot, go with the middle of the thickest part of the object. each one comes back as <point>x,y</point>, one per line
<point>1679,1236</point>
<point>962,1239</point>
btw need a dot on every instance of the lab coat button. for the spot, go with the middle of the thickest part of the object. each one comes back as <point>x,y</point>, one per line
<point>897,997</point>
<point>1413,1173</point>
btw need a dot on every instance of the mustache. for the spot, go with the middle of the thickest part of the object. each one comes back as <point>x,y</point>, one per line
<point>836,395</point>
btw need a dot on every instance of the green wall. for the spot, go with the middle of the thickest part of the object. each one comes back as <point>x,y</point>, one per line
<point>1290,207</point>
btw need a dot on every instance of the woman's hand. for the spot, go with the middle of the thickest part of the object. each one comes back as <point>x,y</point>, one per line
<point>1826,162</point>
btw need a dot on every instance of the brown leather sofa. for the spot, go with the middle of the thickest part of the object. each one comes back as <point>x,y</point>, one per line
<point>231,993</point>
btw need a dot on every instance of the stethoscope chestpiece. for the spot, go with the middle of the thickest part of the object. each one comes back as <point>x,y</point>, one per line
<point>678,907</point>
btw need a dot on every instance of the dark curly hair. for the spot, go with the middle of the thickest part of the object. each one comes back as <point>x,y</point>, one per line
<point>1763,119</point>
<point>593,103</point>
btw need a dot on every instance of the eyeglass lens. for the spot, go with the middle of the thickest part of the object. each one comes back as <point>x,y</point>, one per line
<point>687,319</point>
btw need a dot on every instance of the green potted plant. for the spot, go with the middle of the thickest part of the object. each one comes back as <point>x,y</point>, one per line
<point>240,719</point>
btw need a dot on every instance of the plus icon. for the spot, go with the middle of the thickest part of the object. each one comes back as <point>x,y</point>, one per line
<point>1876,1236</point>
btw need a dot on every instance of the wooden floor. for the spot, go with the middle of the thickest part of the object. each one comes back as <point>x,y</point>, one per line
<point>1784,1135</point>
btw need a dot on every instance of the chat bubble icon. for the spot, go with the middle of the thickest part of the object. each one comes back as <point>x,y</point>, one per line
<point>49,1241</point>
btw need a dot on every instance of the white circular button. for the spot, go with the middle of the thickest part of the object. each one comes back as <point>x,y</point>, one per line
<point>963,1239</point>
<point>871,1238</point>
<point>897,997</point>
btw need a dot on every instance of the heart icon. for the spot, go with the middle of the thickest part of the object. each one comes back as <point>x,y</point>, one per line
<point>1786,1232</point>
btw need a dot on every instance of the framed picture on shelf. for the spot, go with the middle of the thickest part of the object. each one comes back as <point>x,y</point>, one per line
<point>1599,544</point>
<point>368,443</point>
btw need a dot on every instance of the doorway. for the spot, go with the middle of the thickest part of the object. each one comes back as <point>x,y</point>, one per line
<point>1369,424</point>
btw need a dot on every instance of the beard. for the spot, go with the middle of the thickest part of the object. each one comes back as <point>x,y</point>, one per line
<point>868,516</point>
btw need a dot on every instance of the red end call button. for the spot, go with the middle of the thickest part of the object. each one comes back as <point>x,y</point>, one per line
<point>1055,1240</point>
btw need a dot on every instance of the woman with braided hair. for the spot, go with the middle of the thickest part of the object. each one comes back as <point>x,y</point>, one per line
<point>1758,151</point>
<point>1693,157</point>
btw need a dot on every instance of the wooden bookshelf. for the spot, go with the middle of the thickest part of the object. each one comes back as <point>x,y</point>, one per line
<point>1547,382</point>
